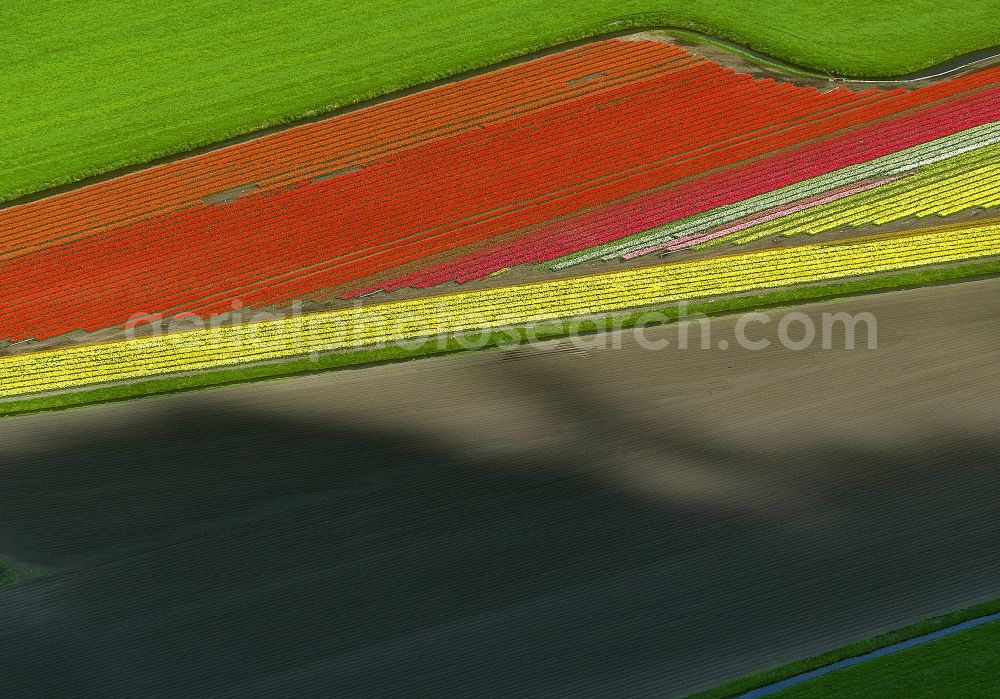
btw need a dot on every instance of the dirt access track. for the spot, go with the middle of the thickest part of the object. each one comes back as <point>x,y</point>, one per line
<point>595,521</point>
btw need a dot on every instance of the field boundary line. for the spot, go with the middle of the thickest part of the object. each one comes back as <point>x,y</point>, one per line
<point>900,646</point>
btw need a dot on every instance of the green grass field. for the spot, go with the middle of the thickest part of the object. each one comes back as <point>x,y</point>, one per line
<point>963,665</point>
<point>958,665</point>
<point>93,85</point>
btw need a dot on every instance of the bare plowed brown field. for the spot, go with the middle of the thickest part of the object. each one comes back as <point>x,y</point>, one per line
<point>547,520</point>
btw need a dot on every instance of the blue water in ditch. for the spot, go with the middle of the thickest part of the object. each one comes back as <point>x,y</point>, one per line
<point>888,650</point>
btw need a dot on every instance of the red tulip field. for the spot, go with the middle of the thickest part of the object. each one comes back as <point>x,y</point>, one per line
<point>546,159</point>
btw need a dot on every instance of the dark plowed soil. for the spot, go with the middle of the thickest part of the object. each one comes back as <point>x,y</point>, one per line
<point>560,520</point>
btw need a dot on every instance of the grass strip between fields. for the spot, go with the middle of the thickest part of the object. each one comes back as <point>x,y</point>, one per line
<point>702,39</point>
<point>549,330</point>
<point>922,628</point>
<point>959,663</point>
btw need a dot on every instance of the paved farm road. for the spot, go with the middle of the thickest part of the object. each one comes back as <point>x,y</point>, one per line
<point>607,522</point>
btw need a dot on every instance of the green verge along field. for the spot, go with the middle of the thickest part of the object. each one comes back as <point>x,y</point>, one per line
<point>963,665</point>
<point>927,626</point>
<point>94,85</point>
